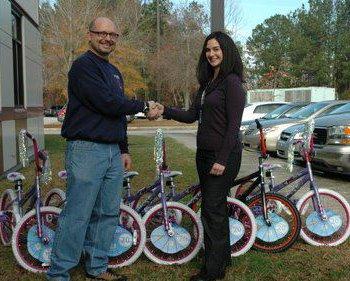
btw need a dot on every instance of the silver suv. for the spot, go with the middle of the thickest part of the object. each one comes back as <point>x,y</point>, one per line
<point>332,141</point>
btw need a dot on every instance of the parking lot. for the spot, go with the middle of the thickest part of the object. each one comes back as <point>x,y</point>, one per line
<point>338,183</point>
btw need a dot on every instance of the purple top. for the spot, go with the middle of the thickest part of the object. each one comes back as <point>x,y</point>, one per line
<point>221,117</point>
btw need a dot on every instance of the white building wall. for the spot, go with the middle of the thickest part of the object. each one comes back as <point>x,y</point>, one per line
<point>32,65</point>
<point>9,144</point>
<point>323,93</point>
<point>31,8</point>
<point>6,64</point>
<point>312,94</point>
<point>35,126</point>
<point>32,80</point>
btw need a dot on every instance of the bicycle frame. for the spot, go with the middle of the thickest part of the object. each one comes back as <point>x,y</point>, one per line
<point>305,175</point>
<point>35,192</point>
<point>132,200</point>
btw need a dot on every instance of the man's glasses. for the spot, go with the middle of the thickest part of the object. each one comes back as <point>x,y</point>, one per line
<point>104,34</point>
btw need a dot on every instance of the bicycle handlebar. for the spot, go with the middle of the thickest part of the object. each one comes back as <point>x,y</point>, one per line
<point>306,151</point>
<point>37,153</point>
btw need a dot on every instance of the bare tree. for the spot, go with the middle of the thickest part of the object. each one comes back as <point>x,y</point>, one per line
<point>63,33</point>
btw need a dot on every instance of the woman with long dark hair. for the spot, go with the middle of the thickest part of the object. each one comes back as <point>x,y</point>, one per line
<point>218,107</point>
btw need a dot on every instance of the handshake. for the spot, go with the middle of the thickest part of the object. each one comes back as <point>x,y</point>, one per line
<point>155,110</point>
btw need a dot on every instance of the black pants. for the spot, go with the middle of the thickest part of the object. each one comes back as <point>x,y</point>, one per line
<point>214,212</point>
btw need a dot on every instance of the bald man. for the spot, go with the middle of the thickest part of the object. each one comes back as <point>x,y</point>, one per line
<point>96,156</point>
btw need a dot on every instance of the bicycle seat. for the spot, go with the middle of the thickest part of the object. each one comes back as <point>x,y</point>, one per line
<point>15,176</point>
<point>171,174</point>
<point>62,174</point>
<point>271,167</point>
<point>130,174</point>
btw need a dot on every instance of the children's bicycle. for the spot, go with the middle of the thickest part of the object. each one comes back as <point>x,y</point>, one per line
<point>130,234</point>
<point>278,220</point>
<point>325,214</point>
<point>30,226</point>
<point>241,220</point>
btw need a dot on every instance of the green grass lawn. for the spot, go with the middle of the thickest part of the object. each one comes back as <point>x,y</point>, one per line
<point>301,262</point>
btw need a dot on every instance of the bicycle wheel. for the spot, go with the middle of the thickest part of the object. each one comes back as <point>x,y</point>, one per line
<point>242,227</point>
<point>180,247</point>
<point>9,218</point>
<point>331,231</point>
<point>30,251</point>
<point>55,198</point>
<point>129,238</point>
<point>285,223</point>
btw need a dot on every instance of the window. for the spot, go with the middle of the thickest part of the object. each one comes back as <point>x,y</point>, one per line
<point>298,95</point>
<point>307,111</point>
<point>266,108</point>
<point>17,57</point>
<point>331,109</point>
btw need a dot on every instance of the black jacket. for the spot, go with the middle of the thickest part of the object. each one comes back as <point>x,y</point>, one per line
<point>221,116</point>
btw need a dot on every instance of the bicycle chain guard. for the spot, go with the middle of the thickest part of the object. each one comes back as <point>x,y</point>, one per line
<point>324,228</point>
<point>122,242</point>
<point>35,245</point>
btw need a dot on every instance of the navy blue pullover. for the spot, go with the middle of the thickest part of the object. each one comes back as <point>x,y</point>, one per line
<point>96,103</point>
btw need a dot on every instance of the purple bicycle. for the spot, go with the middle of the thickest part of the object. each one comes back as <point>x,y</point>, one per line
<point>24,220</point>
<point>325,214</point>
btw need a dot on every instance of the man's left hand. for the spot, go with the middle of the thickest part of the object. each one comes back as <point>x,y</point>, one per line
<point>126,161</point>
<point>217,169</point>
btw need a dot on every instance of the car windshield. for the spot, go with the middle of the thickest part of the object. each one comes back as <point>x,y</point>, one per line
<point>277,112</point>
<point>342,109</point>
<point>308,110</point>
<point>291,111</point>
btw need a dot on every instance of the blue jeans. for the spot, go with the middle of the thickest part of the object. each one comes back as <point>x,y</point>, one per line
<point>89,218</point>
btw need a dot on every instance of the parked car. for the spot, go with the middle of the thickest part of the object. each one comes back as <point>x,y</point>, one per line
<point>140,115</point>
<point>257,110</point>
<point>274,128</point>
<point>332,144</point>
<point>295,132</point>
<point>52,111</point>
<point>130,118</point>
<point>283,111</point>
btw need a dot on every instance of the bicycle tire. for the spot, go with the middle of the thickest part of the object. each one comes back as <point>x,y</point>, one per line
<point>153,220</point>
<point>12,217</point>
<point>241,212</point>
<point>49,217</point>
<point>281,208</point>
<point>132,221</point>
<point>55,198</point>
<point>338,203</point>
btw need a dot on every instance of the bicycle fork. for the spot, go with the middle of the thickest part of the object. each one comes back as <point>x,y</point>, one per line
<point>44,239</point>
<point>263,194</point>
<point>167,224</point>
<point>316,199</point>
